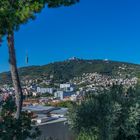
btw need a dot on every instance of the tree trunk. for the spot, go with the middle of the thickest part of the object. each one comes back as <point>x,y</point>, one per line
<point>14,75</point>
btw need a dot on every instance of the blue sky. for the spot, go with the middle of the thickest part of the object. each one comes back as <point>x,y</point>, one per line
<point>92,29</point>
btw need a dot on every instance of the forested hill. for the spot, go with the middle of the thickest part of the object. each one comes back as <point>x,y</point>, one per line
<point>66,70</point>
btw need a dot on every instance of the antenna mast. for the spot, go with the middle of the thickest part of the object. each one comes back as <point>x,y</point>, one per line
<point>26,58</point>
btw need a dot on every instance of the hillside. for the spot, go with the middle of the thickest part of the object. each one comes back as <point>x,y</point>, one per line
<point>66,70</point>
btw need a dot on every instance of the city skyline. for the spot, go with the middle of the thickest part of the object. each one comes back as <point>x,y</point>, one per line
<point>88,30</point>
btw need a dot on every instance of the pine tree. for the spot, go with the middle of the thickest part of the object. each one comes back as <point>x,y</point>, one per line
<point>14,13</point>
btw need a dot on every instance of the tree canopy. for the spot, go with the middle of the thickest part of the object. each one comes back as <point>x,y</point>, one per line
<point>13,13</point>
<point>10,127</point>
<point>111,115</point>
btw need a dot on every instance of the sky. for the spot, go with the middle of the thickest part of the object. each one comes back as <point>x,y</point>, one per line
<point>91,29</point>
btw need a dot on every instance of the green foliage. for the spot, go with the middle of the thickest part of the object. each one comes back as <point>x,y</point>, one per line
<point>11,127</point>
<point>86,136</point>
<point>66,104</point>
<point>111,115</point>
<point>13,13</point>
<point>93,115</point>
<point>64,71</point>
<point>46,95</point>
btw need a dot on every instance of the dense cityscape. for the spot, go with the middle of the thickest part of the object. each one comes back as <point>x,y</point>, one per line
<point>48,101</point>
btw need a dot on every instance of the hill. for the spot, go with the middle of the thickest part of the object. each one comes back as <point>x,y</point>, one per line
<point>66,70</point>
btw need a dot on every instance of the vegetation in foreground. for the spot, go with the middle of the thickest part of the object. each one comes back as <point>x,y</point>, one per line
<point>111,115</point>
<point>13,129</point>
<point>13,14</point>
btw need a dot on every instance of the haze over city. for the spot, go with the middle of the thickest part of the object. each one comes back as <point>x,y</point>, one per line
<point>89,30</point>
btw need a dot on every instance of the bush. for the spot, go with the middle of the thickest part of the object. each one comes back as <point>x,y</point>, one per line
<point>111,115</point>
<point>11,128</point>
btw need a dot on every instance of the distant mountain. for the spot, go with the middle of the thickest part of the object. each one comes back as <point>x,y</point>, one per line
<point>66,70</point>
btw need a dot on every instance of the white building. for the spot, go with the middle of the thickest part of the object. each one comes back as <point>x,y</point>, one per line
<point>45,90</point>
<point>73,97</point>
<point>67,87</point>
<point>63,94</point>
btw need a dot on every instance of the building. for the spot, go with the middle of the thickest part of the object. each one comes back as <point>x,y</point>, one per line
<point>41,118</point>
<point>67,87</point>
<point>63,94</point>
<point>59,113</point>
<point>45,90</point>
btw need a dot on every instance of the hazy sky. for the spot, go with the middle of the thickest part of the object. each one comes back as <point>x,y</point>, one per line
<point>92,29</point>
